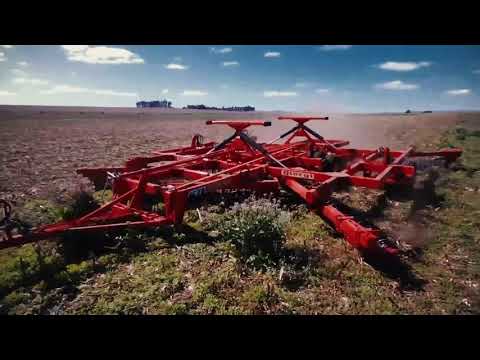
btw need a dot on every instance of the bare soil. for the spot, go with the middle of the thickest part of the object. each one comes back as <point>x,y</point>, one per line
<point>41,147</point>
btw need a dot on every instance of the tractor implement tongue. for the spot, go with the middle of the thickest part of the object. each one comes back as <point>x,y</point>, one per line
<point>313,168</point>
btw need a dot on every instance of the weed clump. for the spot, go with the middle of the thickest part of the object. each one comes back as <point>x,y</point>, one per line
<point>81,203</point>
<point>73,246</point>
<point>256,228</point>
<point>260,298</point>
<point>461,133</point>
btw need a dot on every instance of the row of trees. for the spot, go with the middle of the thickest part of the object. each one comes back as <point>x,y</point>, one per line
<point>232,108</point>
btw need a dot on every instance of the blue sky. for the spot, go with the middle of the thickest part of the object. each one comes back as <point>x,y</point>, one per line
<point>328,78</point>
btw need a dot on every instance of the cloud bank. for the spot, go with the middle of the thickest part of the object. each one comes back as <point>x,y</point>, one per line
<point>274,93</point>
<point>194,93</point>
<point>101,55</point>
<point>335,47</point>
<point>68,89</point>
<point>457,92</point>
<point>230,63</point>
<point>225,50</point>
<point>403,66</point>
<point>173,66</point>
<point>396,85</point>
<point>272,54</point>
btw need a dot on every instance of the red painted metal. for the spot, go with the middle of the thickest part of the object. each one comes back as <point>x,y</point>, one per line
<point>239,125</point>
<point>313,168</point>
<point>302,119</point>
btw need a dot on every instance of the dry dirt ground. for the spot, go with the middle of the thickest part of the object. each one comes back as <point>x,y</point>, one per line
<point>41,147</point>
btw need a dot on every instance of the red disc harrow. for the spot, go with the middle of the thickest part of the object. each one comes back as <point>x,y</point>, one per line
<point>312,167</point>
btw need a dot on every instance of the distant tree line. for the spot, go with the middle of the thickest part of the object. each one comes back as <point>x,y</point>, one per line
<point>231,108</point>
<point>425,112</point>
<point>154,104</point>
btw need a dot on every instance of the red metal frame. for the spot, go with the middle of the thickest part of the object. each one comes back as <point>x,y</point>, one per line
<point>174,176</point>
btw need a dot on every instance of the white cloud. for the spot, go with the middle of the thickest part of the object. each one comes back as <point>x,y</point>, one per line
<point>165,91</point>
<point>225,50</point>
<point>22,63</point>
<point>397,85</point>
<point>403,66</point>
<point>75,48</point>
<point>7,93</point>
<point>322,91</point>
<point>2,54</point>
<point>335,47</point>
<point>224,86</point>
<point>272,54</point>
<point>194,93</point>
<point>101,55</point>
<point>65,89</point>
<point>230,63</point>
<point>29,81</point>
<point>476,71</point>
<point>68,89</point>
<point>274,93</point>
<point>18,72</point>
<point>457,92</point>
<point>113,93</point>
<point>173,66</point>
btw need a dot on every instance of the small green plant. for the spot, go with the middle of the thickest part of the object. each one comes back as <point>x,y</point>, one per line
<point>15,298</point>
<point>461,133</point>
<point>80,204</point>
<point>81,271</point>
<point>103,196</point>
<point>179,237</point>
<point>259,298</point>
<point>256,228</point>
<point>78,246</point>
<point>38,212</point>
<point>27,266</point>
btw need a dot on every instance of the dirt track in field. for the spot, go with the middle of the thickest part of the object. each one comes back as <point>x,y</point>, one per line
<point>40,147</point>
